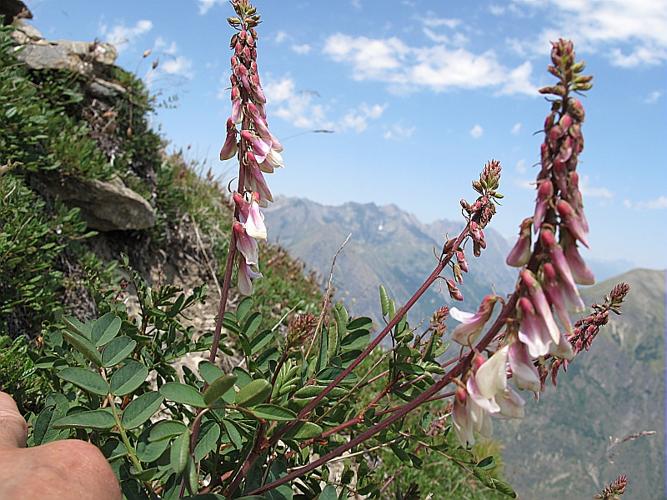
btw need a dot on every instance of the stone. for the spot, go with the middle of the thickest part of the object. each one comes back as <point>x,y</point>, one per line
<point>79,57</point>
<point>105,205</point>
<point>26,33</point>
<point>104,89</point>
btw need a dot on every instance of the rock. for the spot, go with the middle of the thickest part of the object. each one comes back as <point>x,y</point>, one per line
<point>104,89</point>
<point>106,206</point>
<point>79,57</point>
<point>14,9</point>
<point>26,33</point>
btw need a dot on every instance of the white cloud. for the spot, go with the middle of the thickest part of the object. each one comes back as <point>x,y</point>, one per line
<point>180,65</point>
<point>659,203</point>
<point>206,5</point>
<point>476,131</point>
<point>516,128</point>
<point>280,37</point>
<point>653,97</point>
<point>521,166</point>
<point>434,22</point>
<point>398,132</point>
<point>437,68</point>
<point>594,191</point>
<point>303,48</point>
<point>302,110</point>
<point>630,33</point>
<point>161,45</point>
<point>496,10</point>
<point>123,36</point>
<point>356,4</point>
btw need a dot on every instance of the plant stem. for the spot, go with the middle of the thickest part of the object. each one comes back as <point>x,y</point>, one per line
<point>123,435</point>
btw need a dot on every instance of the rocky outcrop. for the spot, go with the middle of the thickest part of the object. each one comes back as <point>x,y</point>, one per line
<point>106,206</point>
<point>14,9</point>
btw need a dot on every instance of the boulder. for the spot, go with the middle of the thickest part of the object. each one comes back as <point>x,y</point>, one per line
<point>79,57</point>
<point>105,205</point>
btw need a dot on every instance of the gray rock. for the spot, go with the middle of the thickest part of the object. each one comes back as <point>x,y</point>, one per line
<point>104,89</point>
<point>79,57</point>
<point>26,33</point>
<point>106,206</point>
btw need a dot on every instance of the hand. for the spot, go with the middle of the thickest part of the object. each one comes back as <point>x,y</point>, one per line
<point>61,469</point>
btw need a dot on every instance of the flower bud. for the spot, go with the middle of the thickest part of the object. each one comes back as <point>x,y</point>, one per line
<point>454,292</point>
<point>520,253</point>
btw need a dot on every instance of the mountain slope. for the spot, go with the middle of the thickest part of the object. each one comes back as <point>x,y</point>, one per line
<point>388,246</point>
<point>563,446</point>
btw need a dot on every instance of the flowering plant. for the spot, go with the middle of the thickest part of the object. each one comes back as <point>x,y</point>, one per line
<point>271,425</point>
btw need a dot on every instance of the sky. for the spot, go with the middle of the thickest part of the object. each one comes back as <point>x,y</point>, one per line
<point>419,95</point>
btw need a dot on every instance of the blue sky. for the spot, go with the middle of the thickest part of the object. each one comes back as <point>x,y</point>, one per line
<point>419,93</point>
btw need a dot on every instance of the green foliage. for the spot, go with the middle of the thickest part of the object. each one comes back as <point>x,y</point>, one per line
<point>19,374</point>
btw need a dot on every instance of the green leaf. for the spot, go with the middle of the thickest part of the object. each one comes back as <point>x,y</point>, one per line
<point>54,409</point>
<point>243,308</point>
<point>88,380</point>
<point>209,371</point>
<point>78,328</point>
<point>180,452</point>
<point>252,324</point>
<point>384,301</point>
<point>93,419</point>
<point>328,493</point>
<point>260,341</point>
<point>183,394</point>
<point>165,429</point>
<point>218,388</point>
<point>356,340</point>
<point>128,378</point>
<point>305,430</point>
<point>149,451</point>
<point>141,409</point>
<point>117,350</point>
<point>487,463</point>
<point>84,347</point>
<point>273,412</point>
<point>360,323</point>
<point>233,433</point>
<point>208,440</point>
<point>105,329</point>
<point>254,393</point>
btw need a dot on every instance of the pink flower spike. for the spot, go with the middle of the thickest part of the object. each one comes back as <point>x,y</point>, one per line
<point>257,91</point>
<point>229,148</point>
<point>472,324</point>
<point>246,245</point>
<point>520,253</point>
<point>572,221</point>
<point>554,293</point>
<point>491,378</point>
<point>545,191</point>
<point>243,206</point>
<point>246,277</point>
<point>524,373</point>
<point>580,272</point>
<point>540,303</point>
<point>256,181</point>
<point>533,332</point>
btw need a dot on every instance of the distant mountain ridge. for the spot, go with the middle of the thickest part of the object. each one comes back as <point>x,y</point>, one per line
<point>388,246</point>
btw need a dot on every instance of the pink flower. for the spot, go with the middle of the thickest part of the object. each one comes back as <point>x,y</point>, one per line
<point>259,147</point>
<point>246,277</point>
<point>554,292</point>
<point>524,373</point>
<point>520,253</point>
<point>246,244</point>
<point>580,272</point>
<point>562,349</point>
<point>572,221</point>
<point>229,148</point>
<point>250,215</point>
<point>237,113</point>
<point>533,332</point>
<point>491,377</point>
<point>255,179</point>
<point>454,291</point>
<point>545,192</point>
<point>472,323</point>
<point>462,419</point>
<point>510,403</point>
<point>540,303</point>
<point>563,268</point>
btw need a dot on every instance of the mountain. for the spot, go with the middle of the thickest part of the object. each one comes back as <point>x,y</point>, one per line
<point>563,448</point>
<point>388,246</point>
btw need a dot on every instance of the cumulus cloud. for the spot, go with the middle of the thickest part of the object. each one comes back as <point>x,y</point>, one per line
<point>629,33</point>
<point>437,68</point>
<point>516,128</point>
<point>169,63</point>
<point>123,36</point>
<point>594,191</point>
<point>398,132</point>
<point>302,48</point>
<point>653,97</point>
<point>206,5</point>
<point>659,203</point>
<point>476,131</point>
<point>305,109</point>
